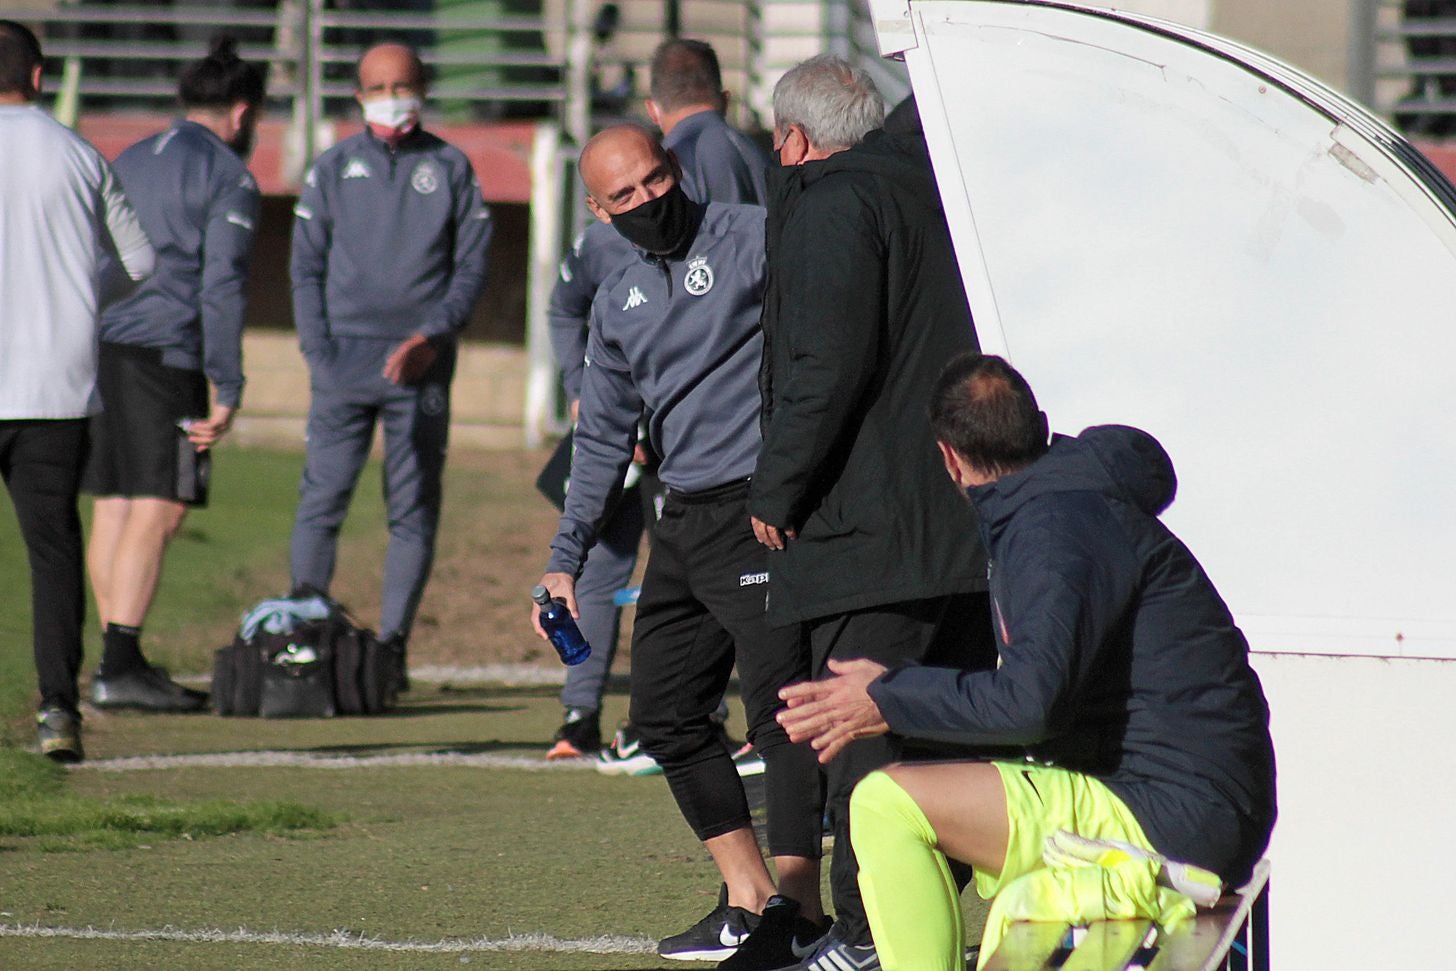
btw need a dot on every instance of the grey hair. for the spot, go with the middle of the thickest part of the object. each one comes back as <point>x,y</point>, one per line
<point>835,103</point>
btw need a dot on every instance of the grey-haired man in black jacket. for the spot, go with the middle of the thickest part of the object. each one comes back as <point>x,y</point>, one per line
<point>863,307</point>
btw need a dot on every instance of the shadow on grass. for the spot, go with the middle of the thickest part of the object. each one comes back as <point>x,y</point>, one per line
<point>411,710</point>
<point>425,748</point>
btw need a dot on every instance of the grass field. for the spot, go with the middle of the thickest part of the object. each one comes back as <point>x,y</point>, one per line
<point>434,836</point>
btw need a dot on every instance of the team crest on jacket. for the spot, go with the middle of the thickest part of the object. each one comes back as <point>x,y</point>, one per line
<point>700,276</point>
<point>432,400</point>
<point>424,178</point>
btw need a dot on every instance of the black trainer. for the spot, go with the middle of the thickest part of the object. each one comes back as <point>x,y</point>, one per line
<point>59,734</point>
<point>395,649</point>
<point>781,940</point>
<point>580,735</point>
<point>146,688</point>
<point>715,937</point>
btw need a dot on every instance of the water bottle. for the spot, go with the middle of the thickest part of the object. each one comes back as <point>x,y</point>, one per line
<point>560,628</point>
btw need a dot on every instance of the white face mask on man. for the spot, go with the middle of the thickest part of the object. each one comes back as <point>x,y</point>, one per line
<point>392,117</point>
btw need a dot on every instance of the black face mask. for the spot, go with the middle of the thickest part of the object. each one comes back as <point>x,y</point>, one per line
<point>663,227</point>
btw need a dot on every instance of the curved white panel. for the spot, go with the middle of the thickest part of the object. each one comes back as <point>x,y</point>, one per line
<point>1164,229</point>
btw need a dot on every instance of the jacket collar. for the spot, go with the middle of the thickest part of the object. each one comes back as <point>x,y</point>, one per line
<point>410,142</point>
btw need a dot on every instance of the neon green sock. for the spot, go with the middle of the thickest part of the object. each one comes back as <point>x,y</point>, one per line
<point>909,895</point>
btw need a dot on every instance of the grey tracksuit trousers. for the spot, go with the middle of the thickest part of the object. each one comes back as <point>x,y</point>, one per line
<point>608,569</point>
<point>349,397</point>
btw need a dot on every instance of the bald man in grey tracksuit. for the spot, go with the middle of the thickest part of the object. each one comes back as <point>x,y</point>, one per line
<point>674,333</point>
<point>389,248</point>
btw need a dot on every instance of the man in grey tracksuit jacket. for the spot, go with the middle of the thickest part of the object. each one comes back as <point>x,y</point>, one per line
<point>389,254</point>
<point>720,164</point>
<point>675,333</point>
<point>150,460</point>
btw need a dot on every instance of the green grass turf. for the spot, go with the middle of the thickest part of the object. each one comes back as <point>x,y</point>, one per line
<point>35,802</point>
<point>425,853</point>
<point>225,558</point>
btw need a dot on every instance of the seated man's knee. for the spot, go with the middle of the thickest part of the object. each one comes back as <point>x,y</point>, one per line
<point>879,800</point>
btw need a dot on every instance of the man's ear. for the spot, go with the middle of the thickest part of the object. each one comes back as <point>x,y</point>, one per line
<point>953,464</point>
<point>238,115</point>
<point>653,113</point>
<point>35,75</point>
<point>794,149</point>
<point>597,210</point>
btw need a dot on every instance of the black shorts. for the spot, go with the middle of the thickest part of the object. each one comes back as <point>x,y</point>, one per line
<point>138,449</point>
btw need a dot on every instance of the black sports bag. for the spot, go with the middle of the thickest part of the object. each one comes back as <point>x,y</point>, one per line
<point>318,669</point>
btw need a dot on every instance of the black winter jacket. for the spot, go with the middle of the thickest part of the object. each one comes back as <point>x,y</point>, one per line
<point>863,307</point>
<point>1118,657</point>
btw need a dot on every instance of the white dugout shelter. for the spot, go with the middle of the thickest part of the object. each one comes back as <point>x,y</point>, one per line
<point>1162,228</point>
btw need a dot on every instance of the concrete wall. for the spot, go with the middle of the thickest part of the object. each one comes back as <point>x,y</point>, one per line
<point>1313,35</point>
<point>486,399</point>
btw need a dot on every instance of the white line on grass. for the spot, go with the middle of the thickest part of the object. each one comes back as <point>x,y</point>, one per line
<point>510,675</point>
<point>136,763</point>
<point>348,940</point>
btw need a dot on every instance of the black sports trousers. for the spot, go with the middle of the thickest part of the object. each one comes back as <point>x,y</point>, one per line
<point>950,631</point>
<point>702,607</point>
<point>41,462</point>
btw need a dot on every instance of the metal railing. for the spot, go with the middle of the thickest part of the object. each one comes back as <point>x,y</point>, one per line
<point>110,57</point>
<point>1410,50</point>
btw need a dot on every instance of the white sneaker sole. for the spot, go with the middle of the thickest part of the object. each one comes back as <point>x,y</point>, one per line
<point>637,765</point>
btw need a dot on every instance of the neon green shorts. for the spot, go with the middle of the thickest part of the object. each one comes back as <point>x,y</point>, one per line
<point>1043,799</point>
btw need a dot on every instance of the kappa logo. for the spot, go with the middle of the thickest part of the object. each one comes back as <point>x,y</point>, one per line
<point>700,276</point>
<point>635,299</point>
<point>356,169</point>
<point>424,179</point>
<point>752,579</point>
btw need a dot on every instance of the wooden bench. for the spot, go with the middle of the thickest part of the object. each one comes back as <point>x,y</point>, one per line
<point>1232,936</point>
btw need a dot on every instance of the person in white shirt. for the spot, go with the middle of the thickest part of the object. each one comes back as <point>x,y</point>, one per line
<point>63,222</point>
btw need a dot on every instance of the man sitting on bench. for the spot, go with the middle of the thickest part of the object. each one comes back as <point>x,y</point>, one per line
<point>1122,675</point>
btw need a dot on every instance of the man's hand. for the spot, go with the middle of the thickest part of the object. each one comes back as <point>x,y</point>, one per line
<point>771,536</point>
<point>562,586</point>
<point>207,432</point>
<point>836,711</point>
<point>410,360</point>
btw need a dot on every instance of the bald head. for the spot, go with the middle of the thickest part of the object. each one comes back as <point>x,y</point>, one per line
<point>623,167</point>
<point>390,69</point>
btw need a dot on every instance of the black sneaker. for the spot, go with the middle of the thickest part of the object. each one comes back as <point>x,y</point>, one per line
<point>394,648</point>
<point>59,734</point>
<point>145,688</point>
<point>715,937</point>
<point>580,734</point>
<point>780,941</point>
